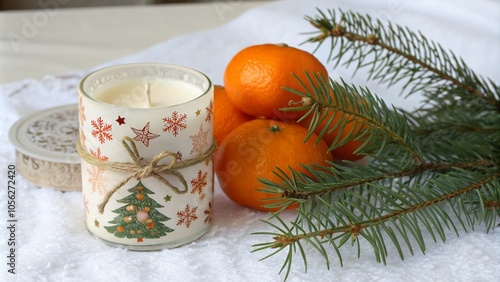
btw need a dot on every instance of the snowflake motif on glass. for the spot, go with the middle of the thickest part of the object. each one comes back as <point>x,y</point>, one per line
<point>199,182</point>
<point>210,111</point>
<point>208,160</point>
<point>96,180</point>
<point>175,123</point>
<point>98,155</point>
<point>83,137</point>
<point>187,216</point>
<point>208,212</point>
<point>178,156</point>
<point>144,135</point>
<point>81,111</point>
<point>199,141</point>
<point>101,130</point>
<point>86,205</point>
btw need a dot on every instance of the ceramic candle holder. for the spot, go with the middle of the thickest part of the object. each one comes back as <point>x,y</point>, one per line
<point>146,143</point>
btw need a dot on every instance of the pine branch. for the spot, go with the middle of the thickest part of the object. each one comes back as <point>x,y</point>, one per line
<point>376,176</point>
<point>355,228</point>
<point>384,124</point>
<point>400,214</point>
<point>424,64</point>
<point>433,169</point>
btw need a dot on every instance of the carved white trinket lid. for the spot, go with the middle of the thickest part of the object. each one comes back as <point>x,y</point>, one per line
<point>45,143</point>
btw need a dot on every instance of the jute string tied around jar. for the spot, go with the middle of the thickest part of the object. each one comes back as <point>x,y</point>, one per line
<point>141,168</point>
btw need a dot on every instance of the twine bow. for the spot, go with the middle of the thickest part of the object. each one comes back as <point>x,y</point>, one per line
<point>141,168</point>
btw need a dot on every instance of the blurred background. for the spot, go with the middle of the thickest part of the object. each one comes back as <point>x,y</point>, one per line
<point>40,4</point>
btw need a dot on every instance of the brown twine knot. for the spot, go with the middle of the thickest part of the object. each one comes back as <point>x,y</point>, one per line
<point>141,168</point>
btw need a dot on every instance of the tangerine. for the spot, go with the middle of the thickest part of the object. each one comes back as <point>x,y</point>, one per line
<point>255,77</point>
<point>254,149</point>
<point>226,116</point>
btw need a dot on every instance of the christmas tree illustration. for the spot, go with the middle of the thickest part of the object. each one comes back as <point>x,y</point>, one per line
<point>139,217</point>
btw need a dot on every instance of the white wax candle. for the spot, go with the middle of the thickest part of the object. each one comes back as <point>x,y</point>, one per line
<point>115,121</point>
<point>164,92</point>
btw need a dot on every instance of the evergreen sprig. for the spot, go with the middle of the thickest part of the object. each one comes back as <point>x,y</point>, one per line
<point>429,170</point>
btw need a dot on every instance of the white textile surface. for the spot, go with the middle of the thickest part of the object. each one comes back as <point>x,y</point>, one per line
<point>54,245</point>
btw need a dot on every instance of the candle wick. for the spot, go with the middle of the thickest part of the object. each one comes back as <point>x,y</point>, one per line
<point>148,95</point>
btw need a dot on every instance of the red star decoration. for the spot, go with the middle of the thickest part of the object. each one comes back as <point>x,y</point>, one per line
<point>120,120</point>
<point>144,135</point>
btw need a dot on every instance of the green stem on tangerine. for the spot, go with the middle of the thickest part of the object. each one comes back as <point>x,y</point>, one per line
<point>274,128</point>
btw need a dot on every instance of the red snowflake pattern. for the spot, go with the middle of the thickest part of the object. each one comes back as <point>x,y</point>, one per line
<point>208,212</point>
<point>98,155</point>
<point>199,182</point>
<point>187,216</point>
<point>175,123</point>
<point>101,130</point>
<point>86,205</point>
<point>83,137</point>
<point>178,156</point>
<point>81,111</point>
<point>97,180</point>
<point>210,111</point>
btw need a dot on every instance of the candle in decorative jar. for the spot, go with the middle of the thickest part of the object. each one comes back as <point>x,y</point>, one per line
<point>146,143</point>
